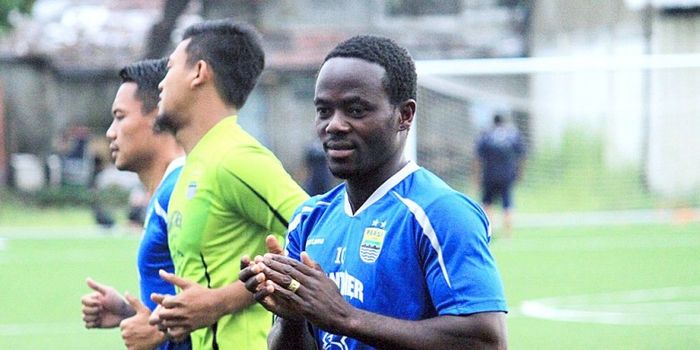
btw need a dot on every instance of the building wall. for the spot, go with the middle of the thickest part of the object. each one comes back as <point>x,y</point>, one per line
<point>646,119</point>
<point>673,165</point>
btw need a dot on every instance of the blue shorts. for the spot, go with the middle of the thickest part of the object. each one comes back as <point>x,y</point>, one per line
<point>493,191</point>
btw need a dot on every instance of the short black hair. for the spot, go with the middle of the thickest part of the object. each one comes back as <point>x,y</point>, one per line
<point>147,74</point>
<point>400,80</point>
<point>497,119</point>
<point>234,52</point>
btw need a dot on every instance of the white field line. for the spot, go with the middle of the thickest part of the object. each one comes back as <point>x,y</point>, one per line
<point>599,243</point>
<point>665,306</point>
<point>616,217</point>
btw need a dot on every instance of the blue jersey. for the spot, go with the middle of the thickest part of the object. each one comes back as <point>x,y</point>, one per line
<point>153,253</point>
<point>415,235</point>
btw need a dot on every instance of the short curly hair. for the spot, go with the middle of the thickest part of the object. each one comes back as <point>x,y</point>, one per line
<point>147,74</point>
<point>400,79</point>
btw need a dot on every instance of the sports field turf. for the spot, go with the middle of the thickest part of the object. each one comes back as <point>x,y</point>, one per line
<point>606,287</point>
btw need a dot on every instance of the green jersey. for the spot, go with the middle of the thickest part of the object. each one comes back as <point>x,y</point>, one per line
<point>231,194</point>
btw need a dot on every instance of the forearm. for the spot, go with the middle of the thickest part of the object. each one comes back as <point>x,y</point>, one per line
<point>233,298</point>
<point>290,335</point>
<point>480,331</point>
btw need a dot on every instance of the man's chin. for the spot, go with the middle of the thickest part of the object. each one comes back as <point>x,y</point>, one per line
<point>341,172</point>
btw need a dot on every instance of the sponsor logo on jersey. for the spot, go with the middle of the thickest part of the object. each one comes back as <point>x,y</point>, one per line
<point>315,241</point>
<point>175,220</point>
<point>348,285</point>
<point>191,189</point>
<point>334,342</point>
<point>371,245</point>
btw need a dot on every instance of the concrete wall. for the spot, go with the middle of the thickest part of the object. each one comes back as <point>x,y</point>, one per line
<point>646,119</point>
<point>673,165</point>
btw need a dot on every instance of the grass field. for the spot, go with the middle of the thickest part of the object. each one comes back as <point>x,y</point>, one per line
<point>652,270</point>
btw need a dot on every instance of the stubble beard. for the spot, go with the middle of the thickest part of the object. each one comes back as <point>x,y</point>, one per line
<point>165,123</point>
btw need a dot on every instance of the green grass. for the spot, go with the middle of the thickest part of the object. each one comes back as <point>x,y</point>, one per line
<point>43,280</point>
<point>25,210</point>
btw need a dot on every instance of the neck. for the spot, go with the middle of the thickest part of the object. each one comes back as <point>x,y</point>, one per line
<point>207,111</point>
<point>359,189</point>
<point>152,175</point>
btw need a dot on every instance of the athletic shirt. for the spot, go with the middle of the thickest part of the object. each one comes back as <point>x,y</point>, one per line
<point>500,151</point>
<point>153,253</point>
<point>414,235</point>
<point>231,194</point>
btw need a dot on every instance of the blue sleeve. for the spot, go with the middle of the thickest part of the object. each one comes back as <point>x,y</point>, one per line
<point>296,237</point>
<point>460,272</point>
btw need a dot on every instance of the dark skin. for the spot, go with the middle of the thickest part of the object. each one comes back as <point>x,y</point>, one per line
<point>363,136</point>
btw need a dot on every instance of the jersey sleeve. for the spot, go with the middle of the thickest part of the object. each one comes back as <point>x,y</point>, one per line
<point>258,187</point>
<point>296,237</point>
<point>460,272</point>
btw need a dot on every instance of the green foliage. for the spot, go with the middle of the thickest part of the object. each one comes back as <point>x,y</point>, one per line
<point>7,6</point>
<point>61,206</point>
<point>62,196</point>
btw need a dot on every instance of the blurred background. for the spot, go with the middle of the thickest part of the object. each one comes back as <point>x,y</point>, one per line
<point>605,93</point>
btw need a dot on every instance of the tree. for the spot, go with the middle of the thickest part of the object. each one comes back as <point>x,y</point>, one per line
<point>7,6</point>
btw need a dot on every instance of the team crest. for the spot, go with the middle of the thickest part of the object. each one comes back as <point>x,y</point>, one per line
<point>191,189</point>
<point>371,245</point>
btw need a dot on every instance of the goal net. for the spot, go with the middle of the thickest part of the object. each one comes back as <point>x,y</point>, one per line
<point>602,133</point>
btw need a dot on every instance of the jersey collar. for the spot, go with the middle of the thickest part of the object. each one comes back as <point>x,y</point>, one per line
<point>382,190</point>
<point>174,164</point>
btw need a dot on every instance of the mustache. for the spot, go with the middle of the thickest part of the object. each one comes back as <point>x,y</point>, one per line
<point>338,143</point>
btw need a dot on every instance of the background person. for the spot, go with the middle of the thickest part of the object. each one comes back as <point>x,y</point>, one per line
<point>501,153</point>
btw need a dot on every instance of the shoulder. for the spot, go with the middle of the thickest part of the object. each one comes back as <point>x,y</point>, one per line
<point>165,189</point>
<point>430,199</point>
<point>314,207</point>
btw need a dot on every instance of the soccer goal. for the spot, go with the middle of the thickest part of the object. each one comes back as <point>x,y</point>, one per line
<point>603,132</point>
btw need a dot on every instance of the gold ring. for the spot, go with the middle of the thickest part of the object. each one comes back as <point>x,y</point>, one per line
<point>294,285</point>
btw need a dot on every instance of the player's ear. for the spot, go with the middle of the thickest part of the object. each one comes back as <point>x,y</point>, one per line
<point>407,110</point>
<point>202,72</point>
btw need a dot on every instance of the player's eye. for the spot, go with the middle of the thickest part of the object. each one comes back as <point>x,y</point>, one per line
<point>323,112</point>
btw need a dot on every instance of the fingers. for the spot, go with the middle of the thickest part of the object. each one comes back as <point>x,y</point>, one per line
<point>288,266</point>
<point>306,259</point>
<point>136,304</point>
<point>264,292</point>
<point>278,273</point>
<point>91,300</point>
<point>175,280</point>
<point>91,310</point>
<point>101,288</point>
<point>245,262</point>
<point>273,245</point>
<point>157,298</point>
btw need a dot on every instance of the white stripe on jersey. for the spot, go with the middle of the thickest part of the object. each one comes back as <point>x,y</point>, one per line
<point>428,230</point>
<point>160,211</point>
<point>297,219</point>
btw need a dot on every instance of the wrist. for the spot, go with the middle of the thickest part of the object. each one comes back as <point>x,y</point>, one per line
<point>352,323</point>
<point>126,310</point>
